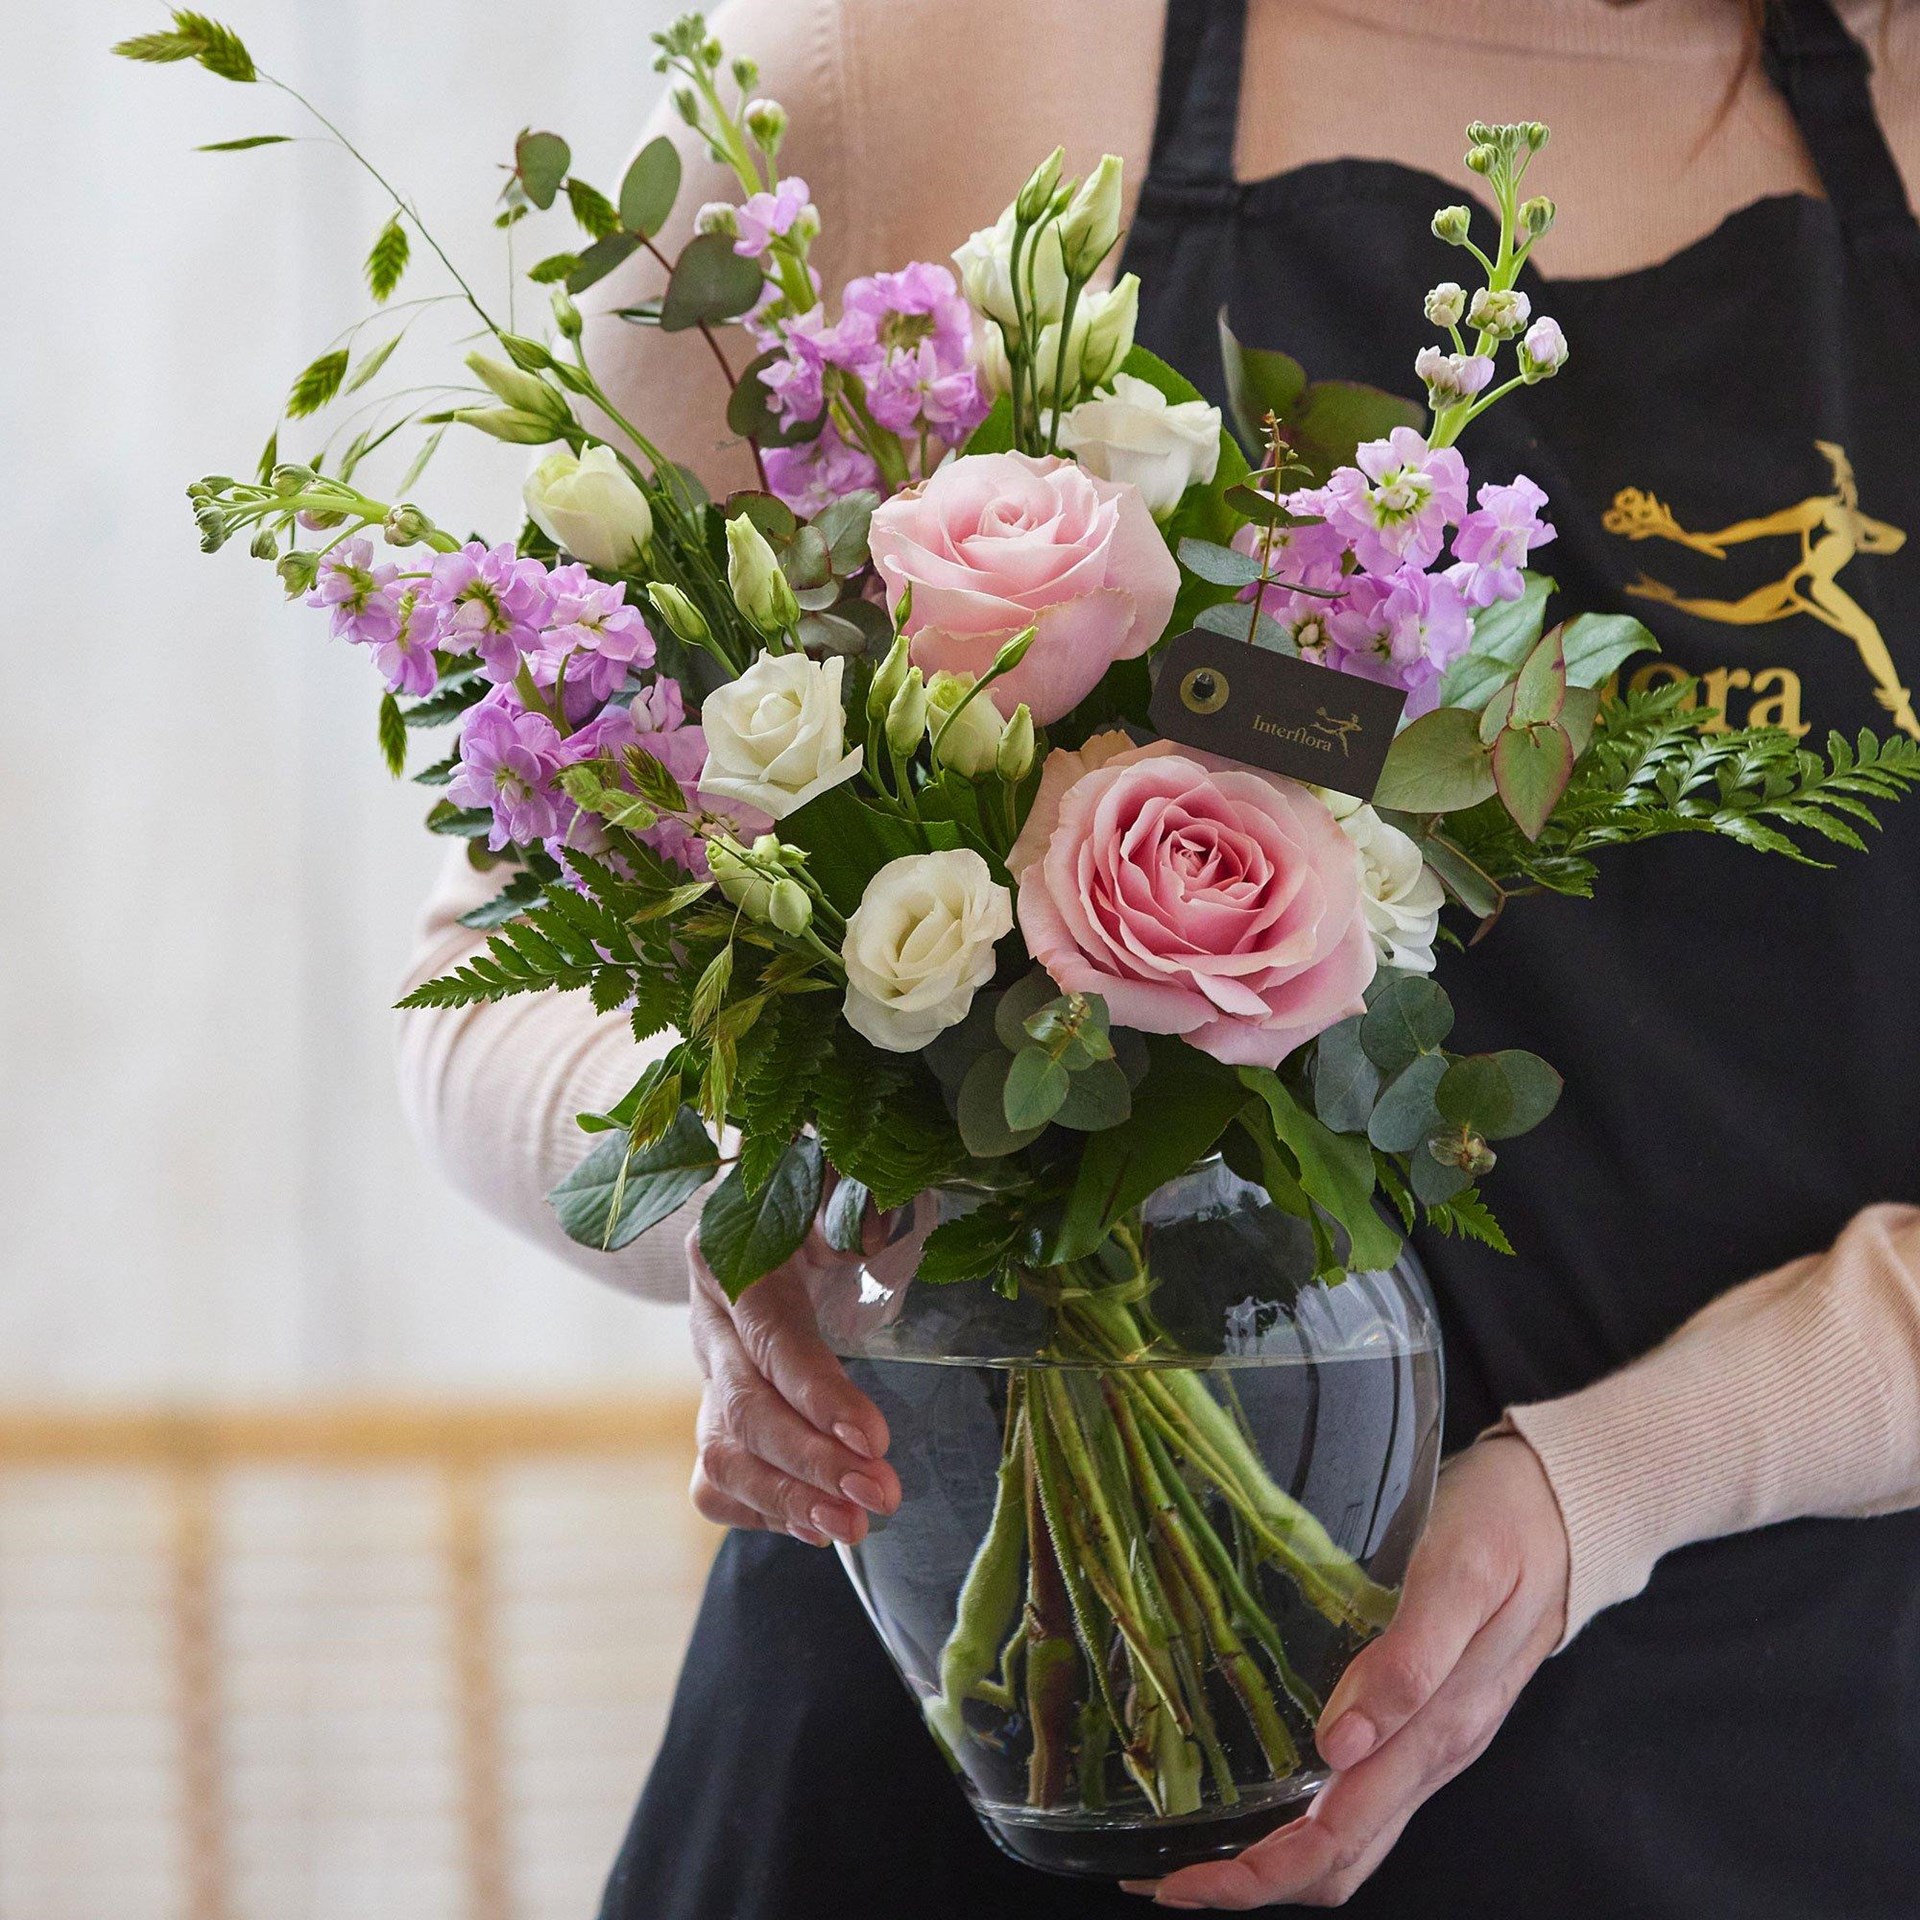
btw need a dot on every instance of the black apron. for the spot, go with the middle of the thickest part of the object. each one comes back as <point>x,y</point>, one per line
<point>1739,1036</point>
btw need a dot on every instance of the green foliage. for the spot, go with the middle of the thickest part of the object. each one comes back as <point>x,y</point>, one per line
<point>245,144</point>
<point>980,1245</point>
<point>710,282</point>
<point>1467,1216</point>
<point>393,735</point>
<point>650,187</point>
<point>744,1235</point>
<point>387,262</point>
<point>524,890</point>
<point>317,384</point>
<point>883,1122</point>
<point>778,1063</point>
<point>540,163</point>
<point>194,37</point>
<point>594,211</point>
<point>619,1190</point>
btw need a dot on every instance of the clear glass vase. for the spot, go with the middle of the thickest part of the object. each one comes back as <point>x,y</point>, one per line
<point>1152,1508</point>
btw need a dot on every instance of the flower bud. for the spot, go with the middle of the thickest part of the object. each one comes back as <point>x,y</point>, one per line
<point>1452,377</point>
<point>888,679</point>
<point>289,477</point>
<point>405,526</point>
<point>528,355</point>
<point>213,528</point>
<point>1534,133</point>
<point>265,546</point>
<point>684,620</point>
<point>1500,313</point>
<point>298,570</point>
<point>746,73</point>
<point>590,507</point>
<point>790,907</point>
<point>1450,224</point>
<point>1033,198</point>
<point>1543,351</point>
<point>318,520</point>
<point>566,316</point>
<point>718,216</point>
<point>806,226</point>
<point>1482,159</point>
<point>739,876</point>
<point>1015,758</point>
<point>1091,223</point>
<point>1110,322</point>
<point>520,390</point>
<point>767,122</point>
<point>759,588</point>
<point>964,725</point>
<point>1479,133</point>
<point>686,103</point>
<point>1446,303</point>
<point>1536,216</point>
<point>907,714</point>
<point>512,424</point>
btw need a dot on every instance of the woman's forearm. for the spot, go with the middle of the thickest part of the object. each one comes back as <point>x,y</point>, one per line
<point>491,1092</point>
<point>1796,1394</point>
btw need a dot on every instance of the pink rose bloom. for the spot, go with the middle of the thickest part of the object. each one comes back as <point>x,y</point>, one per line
<point>998,542</point>
<point>1200,898</point>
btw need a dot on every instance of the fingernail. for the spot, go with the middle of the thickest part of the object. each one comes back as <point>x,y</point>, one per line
<point>1147,1888</point>
<point>1172,1900</point>
<point>864,1492</point>
<point>1347,1742</point>
<point>806,1536</point>
<point>830,1521</point>
<point>850,1436</point>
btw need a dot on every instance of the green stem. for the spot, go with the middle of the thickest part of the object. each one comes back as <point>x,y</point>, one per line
<point>1053,1660</point>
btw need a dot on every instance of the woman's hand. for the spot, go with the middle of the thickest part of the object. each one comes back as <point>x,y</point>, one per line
<point>786,1440</point>
<point>1485,1602</point>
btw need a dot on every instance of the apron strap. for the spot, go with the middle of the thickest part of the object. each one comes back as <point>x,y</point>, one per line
<point>1199,112</point>
<point>1821,71</point>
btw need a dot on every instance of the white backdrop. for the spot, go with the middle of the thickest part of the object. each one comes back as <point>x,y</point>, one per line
<point>209,882</point>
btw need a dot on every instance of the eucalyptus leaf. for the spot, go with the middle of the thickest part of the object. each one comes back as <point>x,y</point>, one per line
<point>1345,1082</point>
<point>1408,1112</point>
<point>1036,1088</point>
<point>1503,635</point>
<point>980,1109</point>
<point>1435,1181</point>
<point>600,259</point>
<point>710,282</point>
<point>1237,619</point>
<point>1336,1169</point>
<point>1409,1016</point>
<point>1020,1003</point>
<point>1437,765</point>
<point>1222,566</point>
<point>541,160</point>
<point>1531,768</point>
<point>1540,691</point>
<point>650,187</point>
<point>1097,1097</point>
<point>1597,644</point>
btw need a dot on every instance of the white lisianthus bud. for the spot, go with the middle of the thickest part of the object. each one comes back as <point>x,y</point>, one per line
<point>1450,224</point>
<point>986,274</point>
<point>1401,896</point>
<point>920,945</point>
<point>1446,303</point>
<point>742,877</point>
<point>1015,758</point>
<point>767,123</point>
<point>524,392</point>
<point>1031,201</point>
<point>718,216</point>
<point>790,908</point>
<point>970,742</point>
<point>684,620</point>
<point>1138,436</point>
<point>1543,350</point>
<point>590,507</point>
<point>888,678</point>
<point>1452,377</point>
<point>777,735</point>
<point>1110,318</point>
<point>760,590</point>
<point>566,316</point>
<point>990,358</point>
<point>907,714</point>
<point>1501,314</point>
<point>1091,223</point>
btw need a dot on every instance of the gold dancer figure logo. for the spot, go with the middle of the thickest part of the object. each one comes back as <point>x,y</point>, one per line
<point>1341,730</point>
<point>1832,531</point>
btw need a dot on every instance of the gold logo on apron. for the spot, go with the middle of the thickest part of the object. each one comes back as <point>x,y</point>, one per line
<point>1832,532</point>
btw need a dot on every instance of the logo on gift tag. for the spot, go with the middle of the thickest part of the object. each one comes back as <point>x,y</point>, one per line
<point>1275,711</point>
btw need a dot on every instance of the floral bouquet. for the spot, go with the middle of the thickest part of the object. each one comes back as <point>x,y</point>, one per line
<point>1028,794</point>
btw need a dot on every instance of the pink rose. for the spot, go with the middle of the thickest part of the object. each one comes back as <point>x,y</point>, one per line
<point>1200,898</point>
<point>998,542</point>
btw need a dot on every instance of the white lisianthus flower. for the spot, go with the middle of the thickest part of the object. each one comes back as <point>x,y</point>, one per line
<point>590,507</point>
<point>986,273</point>
<point>1136,435</point>
<point>778,735</point>
<point>1402,896</point>
<point>920,945</point>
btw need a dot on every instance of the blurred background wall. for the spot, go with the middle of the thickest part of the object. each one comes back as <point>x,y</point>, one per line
<point>207,1195</point>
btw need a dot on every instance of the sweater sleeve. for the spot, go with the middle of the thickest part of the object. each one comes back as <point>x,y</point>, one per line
<point>1794,1395</point>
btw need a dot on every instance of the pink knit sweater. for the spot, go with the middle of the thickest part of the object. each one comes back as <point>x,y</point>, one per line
<point>1795,1394</point>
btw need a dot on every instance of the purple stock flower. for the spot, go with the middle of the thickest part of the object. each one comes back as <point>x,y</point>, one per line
<point>1490,549</point>
<point>592,626</point>
<point>914,387</point>
<point>357,592</point>
<point>495,605</point>
<point>508,757</point>
<point>819,471</point>
<point>767,216</point>
<point>1403,628</point>
<point>1395,505</point>
<point>405,654</point>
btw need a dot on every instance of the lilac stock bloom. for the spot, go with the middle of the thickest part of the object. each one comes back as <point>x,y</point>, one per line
<point>1451,378</point>
<point>913,388</point>
<point>1490,549</point>
<point>357,593</point>
<point>593,630</point>
<point>407,653</point>
<point>922,302</point>
<point>1404,629</point>
<point>767,217</point>
<point>495,605</point>
<point>819,472</point>
<point>508,757</point>
<point>1395,505</point>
